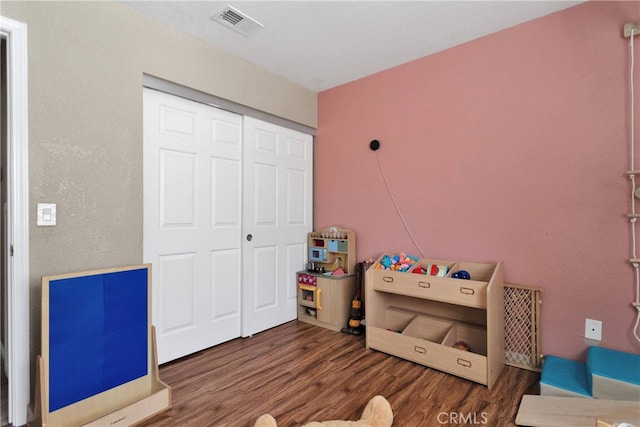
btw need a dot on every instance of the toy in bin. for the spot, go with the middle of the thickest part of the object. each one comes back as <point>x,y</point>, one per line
<point>462,274</point>
<point>402,262</point>
<point>439,270</point>
<point>462,345</point>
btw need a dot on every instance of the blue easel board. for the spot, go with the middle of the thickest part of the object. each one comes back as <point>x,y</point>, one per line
<point>98,334</point>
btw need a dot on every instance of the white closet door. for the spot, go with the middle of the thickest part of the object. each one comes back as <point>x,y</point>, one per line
<point>192,222</point>
<point>277,206</point>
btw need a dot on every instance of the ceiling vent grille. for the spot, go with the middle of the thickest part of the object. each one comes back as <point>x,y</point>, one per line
<point>238,21</point>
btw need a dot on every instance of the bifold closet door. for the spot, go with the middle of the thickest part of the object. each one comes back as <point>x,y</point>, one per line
<point>192,222</point>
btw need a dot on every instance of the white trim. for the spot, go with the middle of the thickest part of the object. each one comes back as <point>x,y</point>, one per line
<point>176,89</point>
<point>18,219</point>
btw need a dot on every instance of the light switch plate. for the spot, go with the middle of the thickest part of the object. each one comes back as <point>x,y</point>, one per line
<point>46,214</point>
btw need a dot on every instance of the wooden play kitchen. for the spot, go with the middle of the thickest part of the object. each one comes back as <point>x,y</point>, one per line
<point>327,286</point>
<point>448,315</point>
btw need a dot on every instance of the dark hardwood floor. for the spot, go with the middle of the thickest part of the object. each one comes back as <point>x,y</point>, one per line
<point>300,373</point>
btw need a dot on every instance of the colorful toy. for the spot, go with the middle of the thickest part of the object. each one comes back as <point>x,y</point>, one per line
<point>462,274</point>
<point>439,270</point>
<point>402,262</point>
<point>377,413</point>
<point>462,345</point>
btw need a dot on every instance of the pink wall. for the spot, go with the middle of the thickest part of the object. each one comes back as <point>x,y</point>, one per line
<point>513,147</point>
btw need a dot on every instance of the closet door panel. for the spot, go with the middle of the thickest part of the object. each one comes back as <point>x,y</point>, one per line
<point>192,222</point>
<point>276,219</point>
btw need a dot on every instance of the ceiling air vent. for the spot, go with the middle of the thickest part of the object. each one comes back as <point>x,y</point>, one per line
<point>238,21</point>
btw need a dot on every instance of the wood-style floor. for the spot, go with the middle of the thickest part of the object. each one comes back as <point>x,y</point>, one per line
<point>300,373</point>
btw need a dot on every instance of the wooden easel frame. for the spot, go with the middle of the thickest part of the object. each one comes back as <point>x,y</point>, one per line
<point>125,405</point>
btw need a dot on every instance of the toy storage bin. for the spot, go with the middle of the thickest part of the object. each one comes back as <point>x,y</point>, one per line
<point>478,272</point>
<point>406,334</point>
<point>425,262</point>
<point>428,339</point>
<point>397,320</point>
<point>377,270</point>
<point>428,328</point>
<point>378,262</point>
<point>475,336</point>
<point>470,293</point>
<point>387,328</point>
<point>471,364</point>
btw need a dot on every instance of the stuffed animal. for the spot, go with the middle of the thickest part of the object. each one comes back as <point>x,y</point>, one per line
<point>377,413</point>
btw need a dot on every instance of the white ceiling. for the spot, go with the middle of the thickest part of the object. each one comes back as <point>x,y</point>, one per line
<point>323,44</point>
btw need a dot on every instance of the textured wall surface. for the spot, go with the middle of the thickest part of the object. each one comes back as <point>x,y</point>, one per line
<point>86,65</point>
<point>513,147</point>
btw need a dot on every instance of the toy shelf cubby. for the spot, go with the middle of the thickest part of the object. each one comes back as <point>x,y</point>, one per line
<point>420,318</point>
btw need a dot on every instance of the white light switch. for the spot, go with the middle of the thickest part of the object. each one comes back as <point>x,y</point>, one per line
<point>46,214</point>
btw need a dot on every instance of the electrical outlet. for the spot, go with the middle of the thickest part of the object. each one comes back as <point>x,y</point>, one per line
<point>593,329</point>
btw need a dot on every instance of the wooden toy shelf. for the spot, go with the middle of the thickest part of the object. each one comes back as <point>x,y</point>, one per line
<point>419,317</point>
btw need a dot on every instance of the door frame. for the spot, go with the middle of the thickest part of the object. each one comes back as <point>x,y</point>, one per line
<point>176,89</point>
<point>17,346</point>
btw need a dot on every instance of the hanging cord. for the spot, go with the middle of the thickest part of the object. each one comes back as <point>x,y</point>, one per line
<point>633,219</point>
<point>406,227</point>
